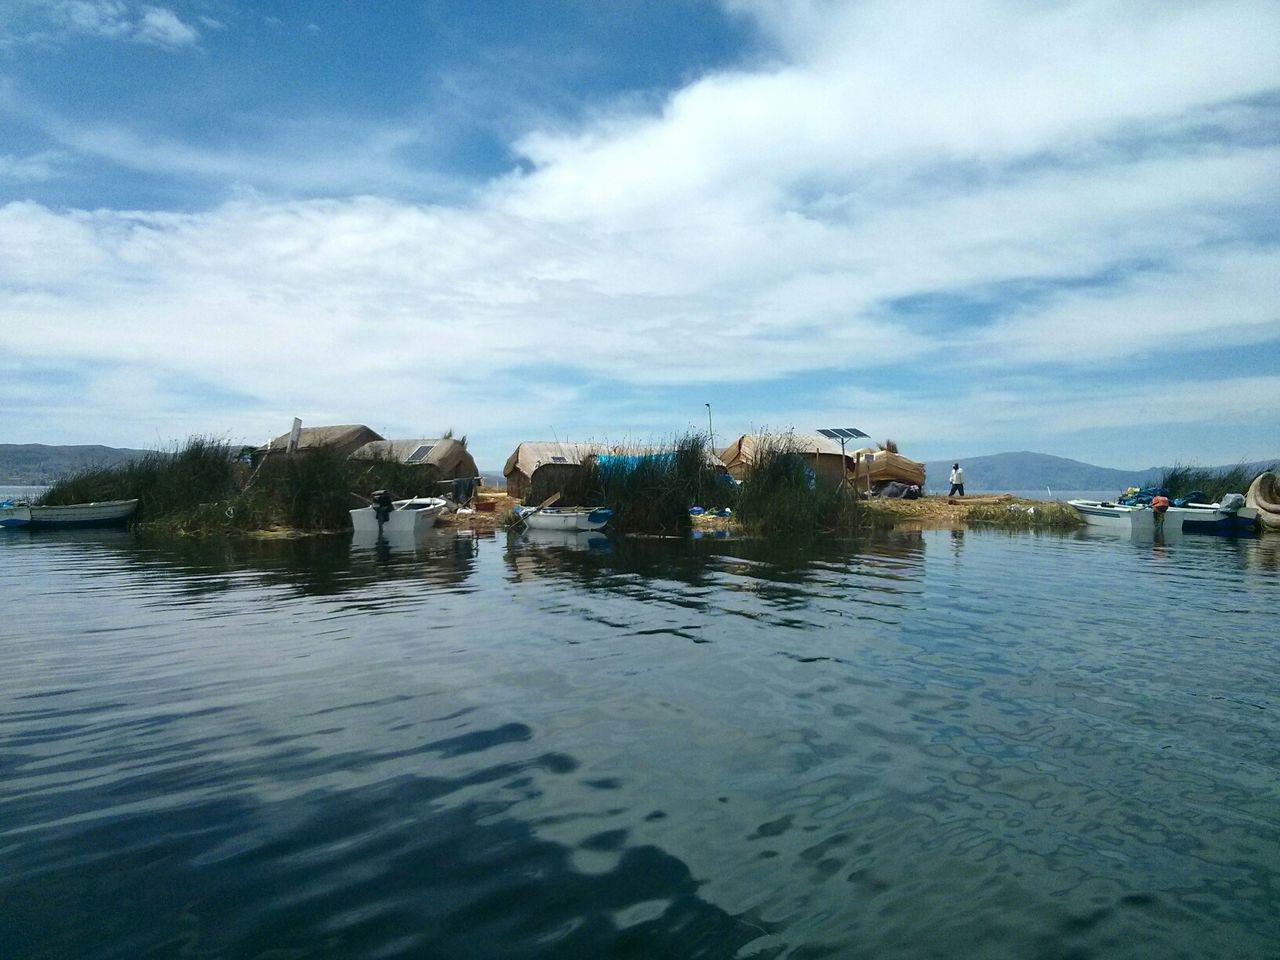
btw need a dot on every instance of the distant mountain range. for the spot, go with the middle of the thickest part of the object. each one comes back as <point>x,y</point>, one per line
<point>1040,471</point>
<point>36,463</point>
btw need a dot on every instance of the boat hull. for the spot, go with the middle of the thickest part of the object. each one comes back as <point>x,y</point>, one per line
<point>407,518</point>
<point>1209,518</point>
<point>564,519</point>
<point>15,515</point>
<point>74,515</point>
<point>1126,519</point>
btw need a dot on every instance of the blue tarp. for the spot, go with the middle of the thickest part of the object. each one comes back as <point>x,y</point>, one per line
<point>625,463</point>
<point>1143,496</point>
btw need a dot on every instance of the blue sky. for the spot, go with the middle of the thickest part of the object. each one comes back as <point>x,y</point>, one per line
<point>972,227</point>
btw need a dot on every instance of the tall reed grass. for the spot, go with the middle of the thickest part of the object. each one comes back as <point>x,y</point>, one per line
<point>649,490</point>
<point>652,492</point>
<point>164,482</point>
<point>782,495</point>
<point>204,487</point>
<point>1181,480</point>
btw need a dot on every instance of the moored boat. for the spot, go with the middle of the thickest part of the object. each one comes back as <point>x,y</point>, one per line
<point>1229,515</point>
<point>564,518</point>
<point>398,517</point>
<point>68,515</point>
<point>1125,518</point>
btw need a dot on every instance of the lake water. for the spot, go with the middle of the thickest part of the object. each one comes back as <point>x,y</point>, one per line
<point>931,744</point>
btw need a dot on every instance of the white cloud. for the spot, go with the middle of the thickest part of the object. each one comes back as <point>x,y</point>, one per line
<point>35,168</point>
<point>105,18</point>
<point>162,28</point>
<point>116,19</point>
<point>881,84</point>
<point>1091,173</point>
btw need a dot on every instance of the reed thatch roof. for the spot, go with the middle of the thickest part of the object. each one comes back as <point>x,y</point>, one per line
<point>532,454</point>
<point>449,456</point>
<point>345,438</point>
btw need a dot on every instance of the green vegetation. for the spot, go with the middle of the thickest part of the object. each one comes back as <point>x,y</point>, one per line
<point>648,492</point>
<point>782,497</point>
<point>652,493</point>
<point>1213,482</point>
<point>205,487</point>
<point>1023,516</point>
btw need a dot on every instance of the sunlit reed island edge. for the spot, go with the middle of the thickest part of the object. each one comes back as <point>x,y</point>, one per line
<point>772,484</point>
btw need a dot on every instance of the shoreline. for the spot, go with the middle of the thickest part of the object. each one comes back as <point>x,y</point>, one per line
<point>926,513</point>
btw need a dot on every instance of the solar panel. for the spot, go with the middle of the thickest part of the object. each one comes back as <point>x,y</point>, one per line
<point>420,453</point>
<point>843,433</point>
<point>559,459</point>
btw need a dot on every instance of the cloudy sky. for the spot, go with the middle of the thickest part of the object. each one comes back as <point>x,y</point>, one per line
<point>969,226</point>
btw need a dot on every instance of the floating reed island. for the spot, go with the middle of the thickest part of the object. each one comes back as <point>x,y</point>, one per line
<point>769,485</point>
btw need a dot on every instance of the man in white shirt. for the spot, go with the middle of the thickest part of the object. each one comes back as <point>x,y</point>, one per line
<point>957,481</point>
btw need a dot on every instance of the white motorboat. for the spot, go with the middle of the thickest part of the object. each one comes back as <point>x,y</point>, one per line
<point>398,517</point>
<point>564,518</point>
<point>1124,519</point>
<point>67,516</point>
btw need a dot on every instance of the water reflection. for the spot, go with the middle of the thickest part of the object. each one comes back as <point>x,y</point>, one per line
<point>563,539</point>
<point>307,566</point>
<point>987,744</point>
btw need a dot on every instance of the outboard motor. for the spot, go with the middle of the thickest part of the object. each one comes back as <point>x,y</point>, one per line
<point>1231,502</point>
<point>381,506</point>
<point>1160,506</point>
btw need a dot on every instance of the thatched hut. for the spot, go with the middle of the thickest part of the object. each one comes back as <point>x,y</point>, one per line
<point>556,464</point>
<point>867,465</point>
<point>821,453</point>
<point>441,458</point>
<point>344,439</point>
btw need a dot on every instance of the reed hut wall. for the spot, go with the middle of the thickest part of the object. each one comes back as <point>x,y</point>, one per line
<point>820,453</point>
<point>531,456</point>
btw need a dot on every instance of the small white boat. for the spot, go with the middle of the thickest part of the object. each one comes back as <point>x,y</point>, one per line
<point>67,516</point>
<point>1125,519</point>
<point>411,516</point>
<point>564,518</point>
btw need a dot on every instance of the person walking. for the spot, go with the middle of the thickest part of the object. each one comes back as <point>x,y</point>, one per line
<point>957,481</point>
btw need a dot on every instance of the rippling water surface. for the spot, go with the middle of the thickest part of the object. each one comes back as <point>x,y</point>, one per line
<point>938,744</point>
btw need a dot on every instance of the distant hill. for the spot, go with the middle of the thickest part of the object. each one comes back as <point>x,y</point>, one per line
<point>37,463</point>
<point>1038,471</point>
